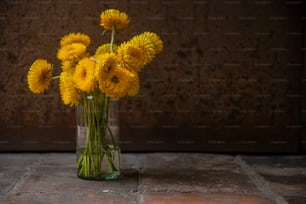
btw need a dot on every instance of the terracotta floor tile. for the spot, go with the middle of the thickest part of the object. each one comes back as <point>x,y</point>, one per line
<point>68,198</point>
<point>201,198</point>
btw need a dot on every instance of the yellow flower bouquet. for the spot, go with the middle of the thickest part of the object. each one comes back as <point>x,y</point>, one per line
<point>88,81</point>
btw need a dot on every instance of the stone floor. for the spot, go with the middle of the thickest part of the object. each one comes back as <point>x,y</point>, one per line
<point>156,178</point>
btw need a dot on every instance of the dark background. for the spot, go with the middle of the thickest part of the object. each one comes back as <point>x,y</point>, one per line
<point>230,77</point>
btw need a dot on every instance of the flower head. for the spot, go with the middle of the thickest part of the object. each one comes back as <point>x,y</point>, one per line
<point>39,76</point>
<point>134,85</point>
<point>69,93</point>
<point>131,56</point>
<point>83,76</point>
<point>118,85</point>
<point>68,66</point>
<point>105,48</point>
<point>105,67</point>
<point>75,38</point>
<point>156,41</point>
<point>113,70</point>
<point>72,52</point>
<point>144,43</point>
<point>113,18</point>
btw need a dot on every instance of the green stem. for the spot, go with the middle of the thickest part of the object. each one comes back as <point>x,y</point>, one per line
<point>112,39</point>
<point>95,117</point>
<point>112,136</point>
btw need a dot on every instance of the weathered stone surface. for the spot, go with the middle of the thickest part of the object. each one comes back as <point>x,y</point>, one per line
<point>51,178</point>
<point>286,175</point>
<point>195,198</point>
<point>153,178</point>
<point>66,198</point>
<point>197,173</point>
<point>13,167</point>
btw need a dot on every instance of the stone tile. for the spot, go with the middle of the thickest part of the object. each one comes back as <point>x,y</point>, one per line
<point>194,173</point>
<point>51,178</point>
<point>77,197</point>
<point>187,180</point>
<point>59,179</point>
<point>296,200</point>
<point>286,175</point>
<point>188,160</point>
<point>131,161</point>
<point>150,178</point>
<point>202,198</point>
<point>58,159</point>
<point>12,160</point>
<point>12,168</point>
<point>278,165</point>
<point>287,186</point>
<point>8,178</point>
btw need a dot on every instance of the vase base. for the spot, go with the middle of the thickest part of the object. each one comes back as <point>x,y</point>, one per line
<point>105,177</point>
<point>103,166</point>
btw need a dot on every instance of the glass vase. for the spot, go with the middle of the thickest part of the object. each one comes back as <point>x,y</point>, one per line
<point>97,150</point>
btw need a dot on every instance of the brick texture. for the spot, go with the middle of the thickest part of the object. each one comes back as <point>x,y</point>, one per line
<point>229,78</point>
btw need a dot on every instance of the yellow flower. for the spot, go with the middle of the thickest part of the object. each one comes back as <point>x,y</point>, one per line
<point>39,76</point>
<point>144,43</point>
<point>69,93</point>
<point>118,85</point>
<point>83,76</point>
<point>75,38</point>
<point>72,52</point>
<point>68,66</point>
<point>155,39</point>
<point>114,18</point>
<point>105,67</point>
<point>134,85</point>
<point>131,56</point>
<point>105,48</point>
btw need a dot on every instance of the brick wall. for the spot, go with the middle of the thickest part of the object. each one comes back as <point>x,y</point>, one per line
<point>229,78</point>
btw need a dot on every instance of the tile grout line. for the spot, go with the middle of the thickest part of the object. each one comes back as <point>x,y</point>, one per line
<point>22,178</point>
<point>140,199</point>
<point>140,190</point>
<point>259,182</point>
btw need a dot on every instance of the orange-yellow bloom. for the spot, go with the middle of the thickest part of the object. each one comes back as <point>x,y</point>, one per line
<point>118,85</point>
<point>75,38</point>
<point>83,76</point>
<point>39,76</point>
<point>131,56</point>
<point>155,39</point>
<point>69,93</point>
<point>105,48</point>
<point>113,18</point>
<point>105,67</point>
<point>72,52</point>
<point>146,45</point>
<point>68,66</point>
<point>112,70</point>
<point>134,85</point>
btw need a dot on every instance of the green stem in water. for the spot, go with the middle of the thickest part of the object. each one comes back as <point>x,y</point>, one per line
<point>95,116</point>
<point>112,136</point>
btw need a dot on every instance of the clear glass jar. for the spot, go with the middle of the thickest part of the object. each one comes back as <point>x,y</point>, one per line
<point>97,135</point>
